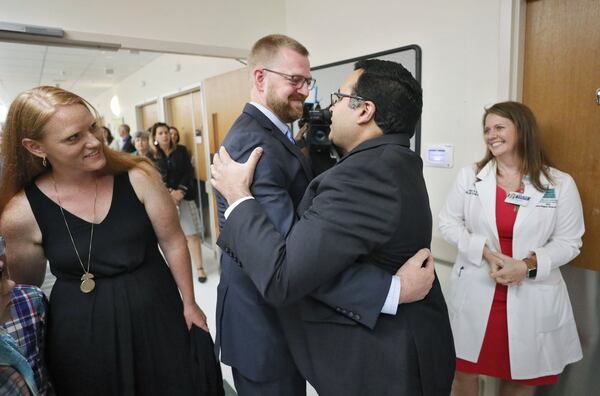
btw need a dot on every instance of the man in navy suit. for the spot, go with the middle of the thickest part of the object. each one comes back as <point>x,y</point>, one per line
<point>249,332</point>
<point>126,143</point>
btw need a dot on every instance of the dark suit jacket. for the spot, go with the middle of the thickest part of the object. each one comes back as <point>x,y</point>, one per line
<point>249,332</point>
<point>371,207</point>
<point>128,146</point>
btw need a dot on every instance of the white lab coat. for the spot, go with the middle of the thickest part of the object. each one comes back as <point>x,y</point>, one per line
<point>541,329</point>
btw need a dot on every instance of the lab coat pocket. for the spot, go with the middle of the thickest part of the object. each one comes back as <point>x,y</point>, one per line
<point>553,308</point>
<point>457,290</point>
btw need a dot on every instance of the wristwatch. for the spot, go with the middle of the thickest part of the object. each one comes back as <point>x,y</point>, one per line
<point>531,263</point>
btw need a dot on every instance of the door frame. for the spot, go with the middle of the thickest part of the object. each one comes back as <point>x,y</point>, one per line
<point>207,140</point>
<point>511,53</point>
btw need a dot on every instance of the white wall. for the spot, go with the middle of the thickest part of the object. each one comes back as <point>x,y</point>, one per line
<point>228,23</point>
<point>461,47</point>
<point>157,79</point>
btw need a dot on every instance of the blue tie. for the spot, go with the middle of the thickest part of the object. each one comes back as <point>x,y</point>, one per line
<point>288,134</point>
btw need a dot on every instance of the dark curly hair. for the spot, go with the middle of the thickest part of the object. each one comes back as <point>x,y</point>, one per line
<point>397,95</point>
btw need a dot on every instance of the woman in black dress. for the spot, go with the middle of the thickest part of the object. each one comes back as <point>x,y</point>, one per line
<point>117,322</point>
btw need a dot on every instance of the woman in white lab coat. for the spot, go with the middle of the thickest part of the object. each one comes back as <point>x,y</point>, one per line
<point>515,220</point>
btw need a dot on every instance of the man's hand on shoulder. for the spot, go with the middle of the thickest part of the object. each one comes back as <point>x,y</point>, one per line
<point>233,179</point>
<point>416,277</point>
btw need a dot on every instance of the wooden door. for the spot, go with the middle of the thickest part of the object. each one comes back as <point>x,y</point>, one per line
<point>225,96</point>
<point>560,78</point>
<point>185,114</point>
<point>148,115</point>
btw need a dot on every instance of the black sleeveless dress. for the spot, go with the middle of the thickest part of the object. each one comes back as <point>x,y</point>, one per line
<point>128,336</point>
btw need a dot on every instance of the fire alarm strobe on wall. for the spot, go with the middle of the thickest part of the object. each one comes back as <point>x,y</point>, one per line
<point>439,155</point>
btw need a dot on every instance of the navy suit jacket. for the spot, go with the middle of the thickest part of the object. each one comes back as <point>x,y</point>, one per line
<point>249,332</point>
<point>128,146</point>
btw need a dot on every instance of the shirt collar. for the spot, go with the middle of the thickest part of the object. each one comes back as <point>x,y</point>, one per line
<point>272,117</point>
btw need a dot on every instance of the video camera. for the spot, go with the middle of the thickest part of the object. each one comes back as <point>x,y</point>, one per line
<point>319,121</point>
<point>321,151</point>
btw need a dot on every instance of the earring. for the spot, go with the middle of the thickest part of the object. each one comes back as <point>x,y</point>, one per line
<point>156,142</point>
<point>44,162</point>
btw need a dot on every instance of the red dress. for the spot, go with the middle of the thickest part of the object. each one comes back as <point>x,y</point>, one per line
<point>494,356</point>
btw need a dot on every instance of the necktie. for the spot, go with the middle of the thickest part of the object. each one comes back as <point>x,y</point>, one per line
<point>288,134</point>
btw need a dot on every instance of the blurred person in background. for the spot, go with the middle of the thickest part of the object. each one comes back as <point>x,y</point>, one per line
<point>175,166</point>
<point>174,132</point>
<point>107,137</point>
<point>141,140</point>
<point>125,143</point>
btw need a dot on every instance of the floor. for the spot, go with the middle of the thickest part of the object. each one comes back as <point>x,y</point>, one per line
<point>206,297</point>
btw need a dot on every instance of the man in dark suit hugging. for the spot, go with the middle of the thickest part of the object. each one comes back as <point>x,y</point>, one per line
<point>371,207</point>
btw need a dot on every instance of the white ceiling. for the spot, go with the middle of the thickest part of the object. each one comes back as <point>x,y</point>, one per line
<point>83,71</point>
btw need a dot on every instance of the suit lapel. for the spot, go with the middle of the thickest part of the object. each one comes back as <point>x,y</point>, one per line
<point>486,191</point>
<point>292,148</point>
<point>272,130</point>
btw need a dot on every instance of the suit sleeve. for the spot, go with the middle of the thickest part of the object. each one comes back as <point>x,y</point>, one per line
<point>346,221</point>
<point>360,289</point>
<point>452,222</point>
<point>269,189</point>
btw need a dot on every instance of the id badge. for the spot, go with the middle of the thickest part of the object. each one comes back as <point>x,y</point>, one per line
<point>517,198</point>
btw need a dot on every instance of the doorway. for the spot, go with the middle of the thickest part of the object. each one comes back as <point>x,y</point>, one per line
<point>184,111</point>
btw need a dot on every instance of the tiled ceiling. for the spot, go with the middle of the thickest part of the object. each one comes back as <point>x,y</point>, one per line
<point>87,72</point>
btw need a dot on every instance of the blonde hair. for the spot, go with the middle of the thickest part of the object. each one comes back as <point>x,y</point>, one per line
<point>266,49</point>
<point>27,116</point>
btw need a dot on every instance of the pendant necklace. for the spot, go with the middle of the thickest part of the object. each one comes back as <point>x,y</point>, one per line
<point>87,279</point>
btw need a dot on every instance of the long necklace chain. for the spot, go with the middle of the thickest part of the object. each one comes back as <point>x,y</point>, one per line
<point>87,284</point>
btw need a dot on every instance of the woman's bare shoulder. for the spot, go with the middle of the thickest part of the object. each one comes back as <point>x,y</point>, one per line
<point>145,179</point>
<point>17,214</point>
<point>24,253</point>
<point>18,223</point>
